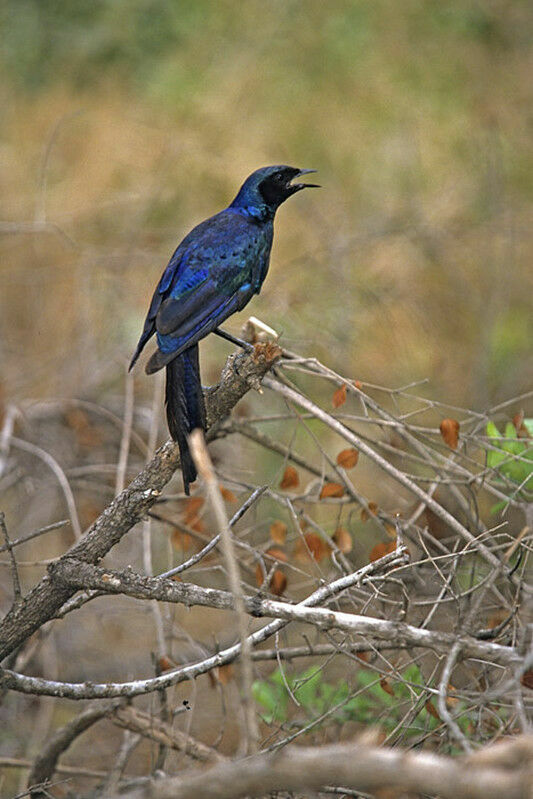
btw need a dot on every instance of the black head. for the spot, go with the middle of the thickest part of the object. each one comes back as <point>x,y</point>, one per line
<point>268,187</point>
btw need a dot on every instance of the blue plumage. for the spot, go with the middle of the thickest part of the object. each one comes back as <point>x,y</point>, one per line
<point>213,273</point>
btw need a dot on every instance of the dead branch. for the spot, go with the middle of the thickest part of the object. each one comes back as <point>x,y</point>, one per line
<point>45,764</point>
<point>148,726</point>
<point>90,690</point>
<point>241,372</point>
<point>142,587</point>
<point>358,767</point>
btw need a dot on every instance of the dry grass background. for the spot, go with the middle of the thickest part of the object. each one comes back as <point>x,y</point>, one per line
<point>415,116</point>
<point>126,124</point>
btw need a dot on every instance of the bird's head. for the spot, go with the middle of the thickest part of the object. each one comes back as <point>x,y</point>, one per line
<point>266,188</point>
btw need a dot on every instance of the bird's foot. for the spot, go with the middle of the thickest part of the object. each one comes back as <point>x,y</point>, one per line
<point>239,342</point>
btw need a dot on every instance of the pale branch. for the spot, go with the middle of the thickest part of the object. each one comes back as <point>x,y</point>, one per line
<point>142,587</point>
<point>24,539</point>
<point>127,717</point>
<point>89,690</point>
<point>206,471</point>
<point>60,475</point>
<point>149,726</point>
<point>198,556</point>
<point>240,373</point>
<point>356,441</point>
<point>322,650</point>
<point>360,767</point>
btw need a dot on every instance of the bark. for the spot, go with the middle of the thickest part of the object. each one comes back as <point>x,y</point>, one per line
<point>241,372</point>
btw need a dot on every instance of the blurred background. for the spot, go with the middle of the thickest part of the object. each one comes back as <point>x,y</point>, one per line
<point>126,122</point>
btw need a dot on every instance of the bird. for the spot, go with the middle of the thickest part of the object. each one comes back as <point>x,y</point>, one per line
<point>213,273</point>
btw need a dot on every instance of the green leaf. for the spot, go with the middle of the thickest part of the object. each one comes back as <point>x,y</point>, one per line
<point>492,430</point>
<point>519,471</point>
<point>273,698</point>
<point>510,430</point>
<point>306,686</point>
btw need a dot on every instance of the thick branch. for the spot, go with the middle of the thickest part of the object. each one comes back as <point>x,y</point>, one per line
<point>357,767</point>
<point>88,690</point>
<point>142,587</point>
<point>240,373</point>
<point>45,764</point>
<point>394,632</point>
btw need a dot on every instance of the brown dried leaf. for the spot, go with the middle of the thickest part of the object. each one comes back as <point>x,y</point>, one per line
<point>527,679</point>
<point>347,458</point>
<point>259,576</point>
<point>276,554</point>
<point>278,532</point>
<point>382,549</point>
<point>521,429</point>
<point>391,529</point>
<point>221,674</point>
<point>449,430</point>
<point>225,673</point>
<point>87,434</point>
<point>358,384</point>
<point>343,539</point>
<point>164,664</point>
<point>497,617</point>
<point>432,710</point>
<point>366,514</point>
<point>331,490</point>
<point>182,541</point>
<point>387,687</point>
<point>451,701</point>
<point>339,396</point>
<point>192,508</point>
<point>278,583</point>
<point>228,495</point>
<point>311,544</point>
<point>290,479</point>
<point>198,526</point>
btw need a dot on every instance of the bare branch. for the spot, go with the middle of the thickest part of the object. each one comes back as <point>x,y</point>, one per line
<point>241,372</point>
<point>131,718</point>
<point>141,587</point>
<point>45,764</point>
<point>12,560</point>
<point>399,476</point>
<point>205,470</point>
<point>61,479</point>
<point>358,767</point>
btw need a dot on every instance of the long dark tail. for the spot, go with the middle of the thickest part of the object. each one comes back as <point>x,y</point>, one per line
<point>185,406</point>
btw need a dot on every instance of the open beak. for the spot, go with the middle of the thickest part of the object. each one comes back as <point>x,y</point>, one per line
<point>298,186</point>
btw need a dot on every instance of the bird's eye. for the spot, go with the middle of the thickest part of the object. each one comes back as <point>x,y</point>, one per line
<point>279,177</point>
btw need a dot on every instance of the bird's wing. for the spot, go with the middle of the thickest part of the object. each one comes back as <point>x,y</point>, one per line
<point>210,276</point>
<point>185,319</point>
<point>158,297</point>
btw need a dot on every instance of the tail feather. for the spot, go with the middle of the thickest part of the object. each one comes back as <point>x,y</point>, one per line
<point>185,406</point>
